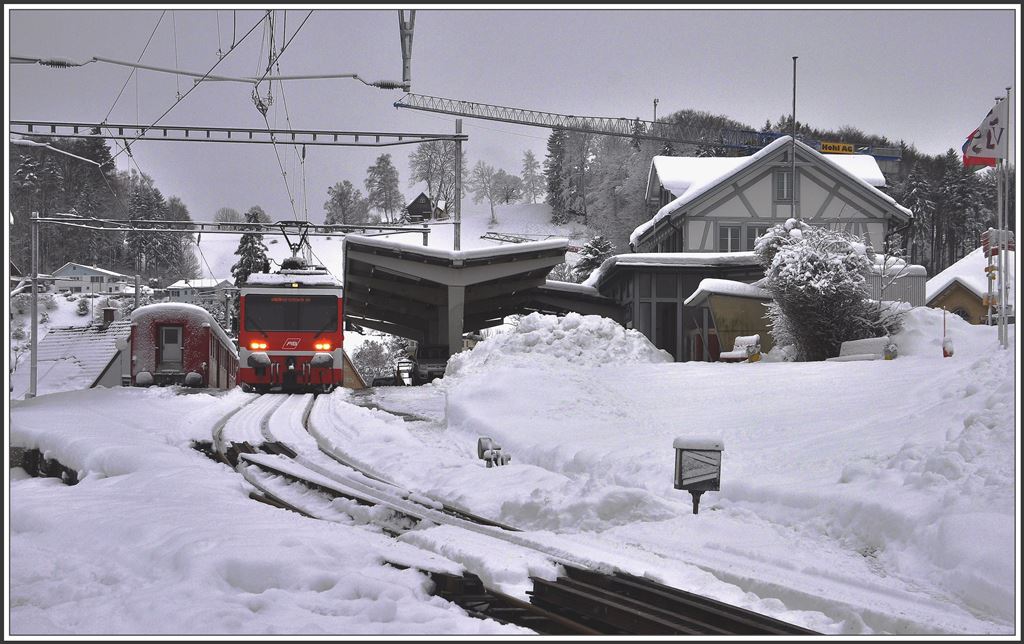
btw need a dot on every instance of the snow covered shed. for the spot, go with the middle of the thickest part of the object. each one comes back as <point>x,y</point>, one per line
<point>727,310</point>
<point>962,288</point>
<point>653,289</point>
<point>704,204</point>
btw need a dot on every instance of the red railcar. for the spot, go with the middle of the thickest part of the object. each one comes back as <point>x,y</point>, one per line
<point>290,332</point>
<point>177,343</point>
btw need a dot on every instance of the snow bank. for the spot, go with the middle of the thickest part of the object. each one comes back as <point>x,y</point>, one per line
<point>575,340</point>
<point>157,539</point>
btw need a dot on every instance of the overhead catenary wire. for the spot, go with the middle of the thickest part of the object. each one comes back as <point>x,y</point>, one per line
<point>175,104</point>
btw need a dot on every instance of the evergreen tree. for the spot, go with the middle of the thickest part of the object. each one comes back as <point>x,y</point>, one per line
<point>259,215</point>
<point>553,163</point>
<point>594,252</point>
<point>251,252</point>
<point>533,180</point>
<point>382,191</point>
<point>345,205</point>
<point>916,193</point>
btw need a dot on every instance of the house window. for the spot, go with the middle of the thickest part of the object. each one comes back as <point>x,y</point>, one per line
<point>753,232</point>
<point>96,278</point>
<point>728,238</point>
<point>783,185</point>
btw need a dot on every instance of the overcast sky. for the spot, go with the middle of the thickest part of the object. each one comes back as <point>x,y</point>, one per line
<point>927,76</point>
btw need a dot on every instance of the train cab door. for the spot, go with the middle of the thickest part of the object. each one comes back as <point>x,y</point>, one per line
<point>170,347</point>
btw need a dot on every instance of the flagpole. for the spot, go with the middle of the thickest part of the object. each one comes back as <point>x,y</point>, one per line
<point>1005,237</point>
<point>792,174</point>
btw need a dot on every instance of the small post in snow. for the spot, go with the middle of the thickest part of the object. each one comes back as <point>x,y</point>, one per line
<point>698,465</point>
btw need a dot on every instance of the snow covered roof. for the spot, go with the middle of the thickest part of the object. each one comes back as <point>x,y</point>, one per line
<point>205,282</point>
<point>690,177</point>
<point>714,286</point>
<point>89,348</point>
<point>741,258</point>
<point>305,277</point>
<point>894,265</point>
<point>571,287</point>
<point>970,272</point>
<point>477,253</point>
<point>94,269</point>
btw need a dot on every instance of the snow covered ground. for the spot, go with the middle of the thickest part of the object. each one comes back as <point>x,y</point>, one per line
<point>857,497</point>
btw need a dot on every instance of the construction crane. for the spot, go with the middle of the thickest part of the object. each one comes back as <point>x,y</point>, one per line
<point>636,128</point>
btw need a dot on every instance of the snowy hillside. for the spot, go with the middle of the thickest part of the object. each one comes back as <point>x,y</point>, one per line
<point>857,497</point>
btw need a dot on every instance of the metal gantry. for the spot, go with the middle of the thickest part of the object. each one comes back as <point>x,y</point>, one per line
<point>208,134</point>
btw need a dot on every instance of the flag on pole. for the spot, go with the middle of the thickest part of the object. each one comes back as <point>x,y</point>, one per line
<point>988,141</point>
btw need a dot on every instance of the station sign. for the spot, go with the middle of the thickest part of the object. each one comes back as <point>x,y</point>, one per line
<point>837,148</point>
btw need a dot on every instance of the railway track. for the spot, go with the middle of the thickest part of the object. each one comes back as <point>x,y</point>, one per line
<point>267,442</point>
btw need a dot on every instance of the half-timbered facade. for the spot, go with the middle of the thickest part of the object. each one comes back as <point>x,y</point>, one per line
<point>722,204</point>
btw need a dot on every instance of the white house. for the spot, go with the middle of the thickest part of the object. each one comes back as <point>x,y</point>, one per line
<point>195,291</point>
<point>79,278</point>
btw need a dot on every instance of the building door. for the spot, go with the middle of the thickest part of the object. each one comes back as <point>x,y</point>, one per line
<point>170,345</point>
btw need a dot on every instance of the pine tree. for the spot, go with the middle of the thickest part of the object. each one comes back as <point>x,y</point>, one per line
<point>593,253</point>
<point>553,163</point>
<point>533,180</point>
<point>251,252</point>
<point>382,190</point>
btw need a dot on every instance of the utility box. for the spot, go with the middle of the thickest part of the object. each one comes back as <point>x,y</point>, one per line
<point>698,465</point>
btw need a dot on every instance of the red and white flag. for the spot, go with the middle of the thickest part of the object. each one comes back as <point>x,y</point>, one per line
<point>989,141</point>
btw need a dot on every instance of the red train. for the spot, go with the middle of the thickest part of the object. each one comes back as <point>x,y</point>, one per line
<point>290,331</point>
<point>177,343</point>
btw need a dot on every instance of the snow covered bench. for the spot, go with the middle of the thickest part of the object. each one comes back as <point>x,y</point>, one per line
<point>866,349</point>
<point>744,348</point>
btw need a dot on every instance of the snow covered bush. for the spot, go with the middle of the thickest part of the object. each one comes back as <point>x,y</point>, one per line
<point>21,303</point>
<point>47,302</point>
<point>818,281</point>
<point>18,333</point>
<point>83,307</point>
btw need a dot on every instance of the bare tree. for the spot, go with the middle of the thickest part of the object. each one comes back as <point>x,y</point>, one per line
<point>483,186</point>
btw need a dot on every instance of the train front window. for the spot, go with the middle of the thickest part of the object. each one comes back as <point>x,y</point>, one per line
<point>317,313</point>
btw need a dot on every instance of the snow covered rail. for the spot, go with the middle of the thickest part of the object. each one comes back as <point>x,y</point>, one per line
<point>625,604</point>
<point>294,474</point>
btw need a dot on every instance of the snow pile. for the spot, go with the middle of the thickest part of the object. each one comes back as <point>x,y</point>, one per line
<point>924,328</point>
<point>575,340</point>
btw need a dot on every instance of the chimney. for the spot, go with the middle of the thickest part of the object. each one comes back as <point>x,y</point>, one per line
<point>108,316</point>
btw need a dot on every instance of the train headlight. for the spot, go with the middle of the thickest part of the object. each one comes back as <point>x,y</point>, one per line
<point>263,345</point>
<point>323,346</point>
<point>254,345</point>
